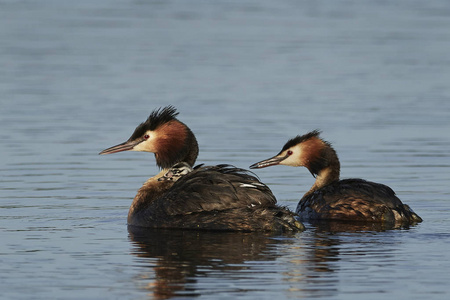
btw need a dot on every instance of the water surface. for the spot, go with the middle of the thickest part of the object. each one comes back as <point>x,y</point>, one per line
<point>78,76</point>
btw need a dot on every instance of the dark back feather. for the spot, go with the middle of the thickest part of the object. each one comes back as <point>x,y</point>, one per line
<point>217,188</point>
<point>358,200</point>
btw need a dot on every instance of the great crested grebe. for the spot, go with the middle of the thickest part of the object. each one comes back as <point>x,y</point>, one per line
<point>218,197</point>
<point>177,171</point>
<point>333,199</point>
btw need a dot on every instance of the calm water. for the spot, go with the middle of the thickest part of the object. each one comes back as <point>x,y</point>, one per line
<point>78,76</point>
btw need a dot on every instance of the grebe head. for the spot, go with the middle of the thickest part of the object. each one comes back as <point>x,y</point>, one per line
<point>164,135</point>
<point>176,172</point>
<point>307,150</point>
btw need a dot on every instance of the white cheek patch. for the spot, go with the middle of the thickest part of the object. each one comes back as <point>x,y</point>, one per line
<point>147,145</point>
<point>293,160</point>
<point>139,147</point>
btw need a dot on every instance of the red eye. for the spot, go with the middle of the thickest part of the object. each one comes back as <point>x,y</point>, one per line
<point>146,137</point>
<point>289,152</point>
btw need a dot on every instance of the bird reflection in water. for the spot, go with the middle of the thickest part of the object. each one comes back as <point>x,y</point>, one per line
<point>188,263</point>
<point>316,260</point>
<point>178,257</point>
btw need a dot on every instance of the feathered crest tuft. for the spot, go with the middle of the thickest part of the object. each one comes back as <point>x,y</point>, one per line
<point>300,138</point>
<point>157,118</point>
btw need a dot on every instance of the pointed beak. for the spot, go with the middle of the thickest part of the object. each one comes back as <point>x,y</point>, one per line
<point>276,160</point>
<point>126,146</point>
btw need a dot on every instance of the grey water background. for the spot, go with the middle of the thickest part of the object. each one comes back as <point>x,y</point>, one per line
<point>78,76</point>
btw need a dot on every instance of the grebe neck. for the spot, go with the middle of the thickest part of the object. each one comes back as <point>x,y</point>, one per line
<point>330,171</point>
<point>176,143</point>
<point>192,151</point>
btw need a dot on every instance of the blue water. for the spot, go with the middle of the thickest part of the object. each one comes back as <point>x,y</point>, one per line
<point>77,76</point>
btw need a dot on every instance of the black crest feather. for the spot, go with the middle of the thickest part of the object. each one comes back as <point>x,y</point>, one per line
<point>157,118</point>
<point>300,138</point>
